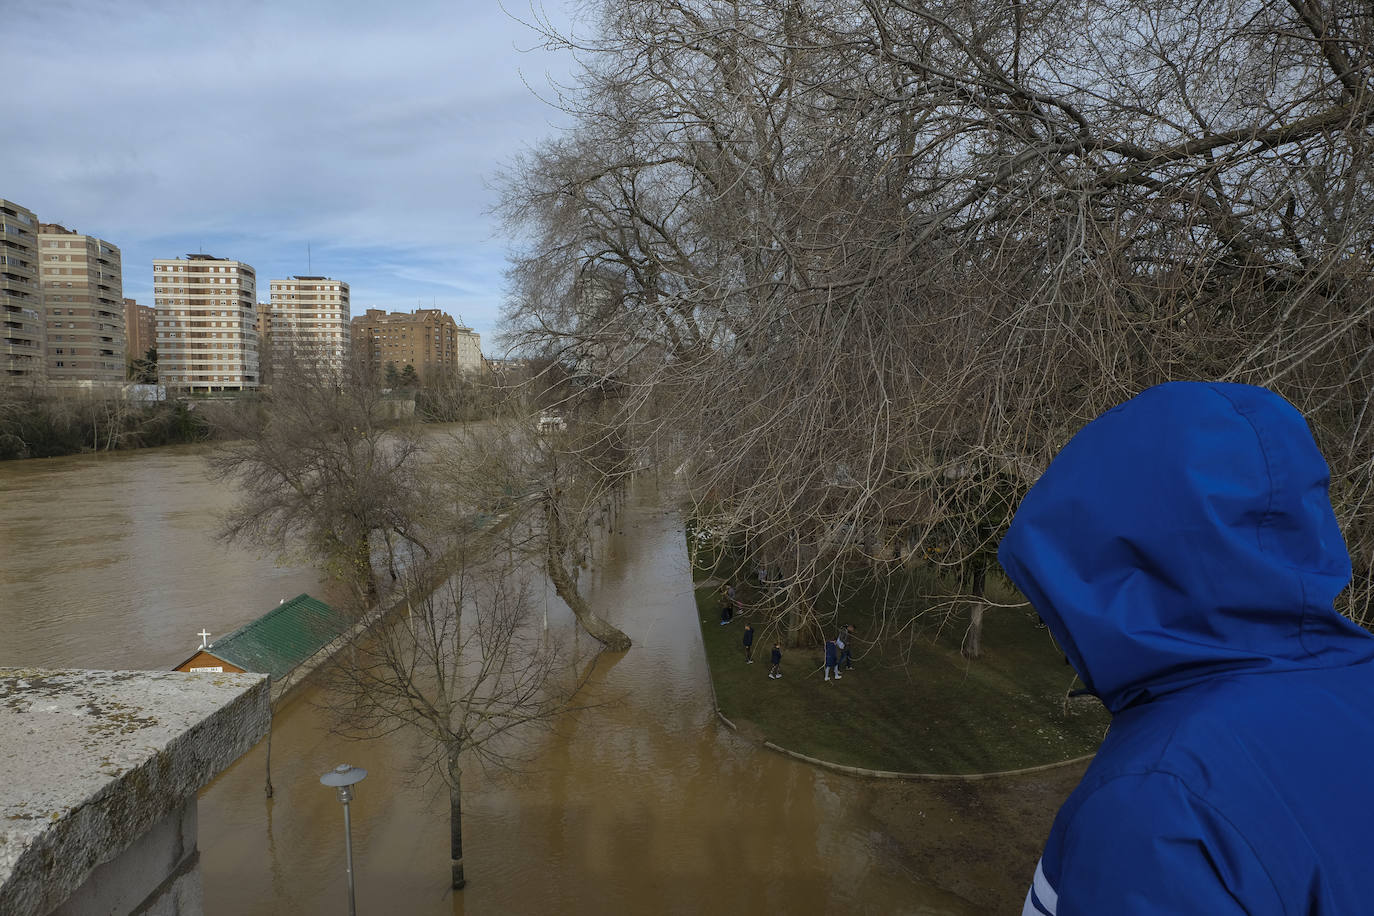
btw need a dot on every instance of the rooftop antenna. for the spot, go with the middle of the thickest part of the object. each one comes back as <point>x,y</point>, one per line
<point>309,266</point>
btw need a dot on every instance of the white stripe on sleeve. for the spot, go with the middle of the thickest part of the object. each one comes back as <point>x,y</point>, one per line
<point>1041,899</point>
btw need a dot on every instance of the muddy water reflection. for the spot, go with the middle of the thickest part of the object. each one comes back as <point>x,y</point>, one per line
<point>644,805</point>
<point>110,561</point>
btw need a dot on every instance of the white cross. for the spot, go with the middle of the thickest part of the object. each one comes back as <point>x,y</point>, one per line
<point>204,634</point>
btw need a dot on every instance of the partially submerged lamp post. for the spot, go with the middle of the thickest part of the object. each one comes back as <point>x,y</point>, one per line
<point>343,777</point>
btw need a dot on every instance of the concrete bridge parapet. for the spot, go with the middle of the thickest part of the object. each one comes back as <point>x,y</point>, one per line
<point>99,772</point>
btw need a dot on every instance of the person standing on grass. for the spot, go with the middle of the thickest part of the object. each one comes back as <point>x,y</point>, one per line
<point>776,670</point>
<point>748,644</point>
<point>1183,551</point>
<point>831,659</point>
<point>842,643</point>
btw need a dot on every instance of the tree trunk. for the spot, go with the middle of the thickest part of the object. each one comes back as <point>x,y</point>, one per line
<point>365,577</point>
<point>795,624</point>
<point>455,820</point>
<point>973,640</point>
<point>563,583</point>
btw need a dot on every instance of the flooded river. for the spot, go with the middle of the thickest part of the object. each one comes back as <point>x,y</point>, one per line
<point>644,803</point>
<point>110,561</point>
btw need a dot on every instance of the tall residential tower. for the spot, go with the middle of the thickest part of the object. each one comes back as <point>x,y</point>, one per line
<point>140,329</point>
<point>310,323</point>
<point>21,303</point>
<point>83,301</point>
<point>206,323</point>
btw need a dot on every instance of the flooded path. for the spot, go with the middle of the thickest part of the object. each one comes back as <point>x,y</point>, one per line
<point>643,805</point>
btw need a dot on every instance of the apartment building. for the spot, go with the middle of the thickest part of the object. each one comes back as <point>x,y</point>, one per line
<point>140,329</point>
<point>308,321</point>
<point>83,304</point>
<point>426,339</point>
<point>207,338</point>
<point>21,302</point>
<point>469,351</point>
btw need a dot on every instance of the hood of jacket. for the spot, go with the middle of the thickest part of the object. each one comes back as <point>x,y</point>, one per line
<point>1184,535</point>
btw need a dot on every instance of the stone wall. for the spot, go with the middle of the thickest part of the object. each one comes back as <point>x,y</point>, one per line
<point>99,772</point>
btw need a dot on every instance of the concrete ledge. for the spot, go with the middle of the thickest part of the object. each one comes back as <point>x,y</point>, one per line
<point>91,761</point>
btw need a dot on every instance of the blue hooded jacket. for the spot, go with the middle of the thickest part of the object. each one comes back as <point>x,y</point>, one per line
<point>1183,552</point>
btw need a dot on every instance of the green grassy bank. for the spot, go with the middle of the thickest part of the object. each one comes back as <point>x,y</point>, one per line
<point>913,702</point>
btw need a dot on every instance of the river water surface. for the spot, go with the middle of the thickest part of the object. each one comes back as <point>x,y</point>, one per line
<point>643,803</point>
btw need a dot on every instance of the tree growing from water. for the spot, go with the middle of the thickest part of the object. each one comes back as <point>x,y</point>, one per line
<point>552,497</point>
<point>322,470</point>
<point>464,664</point>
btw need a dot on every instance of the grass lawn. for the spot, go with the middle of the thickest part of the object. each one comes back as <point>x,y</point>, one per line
<point>915,707</point>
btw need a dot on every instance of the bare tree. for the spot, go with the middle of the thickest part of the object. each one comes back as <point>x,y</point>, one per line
<point>875,260</point>
<point>465,665</point>
<point>550,495</point>
<point>323,469</point>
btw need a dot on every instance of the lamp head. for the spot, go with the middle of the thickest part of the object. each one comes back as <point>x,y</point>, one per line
<point>343,775</point>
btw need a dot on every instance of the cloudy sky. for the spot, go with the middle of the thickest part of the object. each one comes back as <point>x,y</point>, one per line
<point>369,132</point>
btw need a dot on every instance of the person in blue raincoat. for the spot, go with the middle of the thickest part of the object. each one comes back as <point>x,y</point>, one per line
<point>1183,551</point>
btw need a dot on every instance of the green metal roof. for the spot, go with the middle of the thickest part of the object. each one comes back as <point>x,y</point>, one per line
<point>282,638</point>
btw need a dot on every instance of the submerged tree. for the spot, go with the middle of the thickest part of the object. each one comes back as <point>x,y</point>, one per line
<point>465,665</point>
<point>321,468</point>
<point>549,494</point>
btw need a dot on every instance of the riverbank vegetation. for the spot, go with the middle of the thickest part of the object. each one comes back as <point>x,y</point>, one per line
<point>35,424</point>
<point>858,270</point>
<point>38,422</point>
<point>329,472</point>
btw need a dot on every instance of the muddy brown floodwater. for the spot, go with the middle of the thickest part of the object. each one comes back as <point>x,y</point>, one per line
<point>643,803</point>
<point>110,561</point>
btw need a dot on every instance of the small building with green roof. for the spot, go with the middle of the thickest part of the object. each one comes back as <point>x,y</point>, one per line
<point>276,644</point>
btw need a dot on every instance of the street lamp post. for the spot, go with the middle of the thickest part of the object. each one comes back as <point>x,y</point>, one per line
<point>343,777</point>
